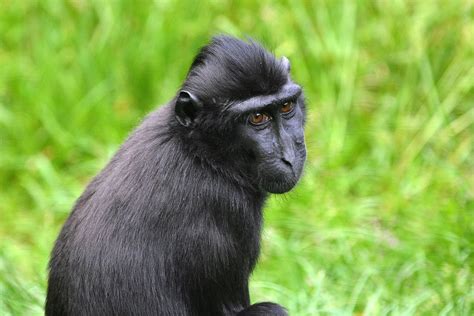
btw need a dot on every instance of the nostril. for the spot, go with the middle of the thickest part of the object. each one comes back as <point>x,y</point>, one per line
<point>286,162</point>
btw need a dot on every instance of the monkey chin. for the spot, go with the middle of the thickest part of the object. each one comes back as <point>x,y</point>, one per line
<point>279,186</point>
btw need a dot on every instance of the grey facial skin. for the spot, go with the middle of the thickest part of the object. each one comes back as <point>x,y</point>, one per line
<point>278,144</point>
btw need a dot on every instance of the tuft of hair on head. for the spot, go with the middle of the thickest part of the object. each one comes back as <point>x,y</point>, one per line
<point>229,69</point>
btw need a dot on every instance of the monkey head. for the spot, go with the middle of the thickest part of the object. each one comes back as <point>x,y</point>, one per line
<point>240,110</point>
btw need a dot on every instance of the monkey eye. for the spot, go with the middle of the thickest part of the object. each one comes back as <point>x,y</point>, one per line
<point>287,107</point>
<point>258,118</point>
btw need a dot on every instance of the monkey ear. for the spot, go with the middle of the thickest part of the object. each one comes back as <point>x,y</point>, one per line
<point>186,108</point>
<point>286,63</point>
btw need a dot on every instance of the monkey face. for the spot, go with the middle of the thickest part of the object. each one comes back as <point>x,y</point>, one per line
<point>261,137</point>
<point>274,135</point>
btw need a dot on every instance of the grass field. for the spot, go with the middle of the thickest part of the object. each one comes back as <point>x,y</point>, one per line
<point>382,222</point>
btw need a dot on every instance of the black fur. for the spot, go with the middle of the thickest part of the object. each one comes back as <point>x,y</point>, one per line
<point>230,69</point>
<point>172,224</point>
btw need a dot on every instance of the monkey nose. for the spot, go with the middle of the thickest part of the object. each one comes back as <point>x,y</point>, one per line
<point>287,162</point>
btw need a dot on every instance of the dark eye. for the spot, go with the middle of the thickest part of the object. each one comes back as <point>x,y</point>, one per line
<point>287,107</point>
<point>258,118</point>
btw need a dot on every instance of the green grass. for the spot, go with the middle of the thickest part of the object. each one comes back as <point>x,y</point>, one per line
<point>382,222</point>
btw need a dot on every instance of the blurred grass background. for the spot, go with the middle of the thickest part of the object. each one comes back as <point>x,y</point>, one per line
<point>381,224</point>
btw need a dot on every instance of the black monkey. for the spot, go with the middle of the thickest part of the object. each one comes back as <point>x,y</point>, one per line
<point>171,226</point>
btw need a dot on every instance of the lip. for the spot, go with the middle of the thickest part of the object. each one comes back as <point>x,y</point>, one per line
<point>292,169</point>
